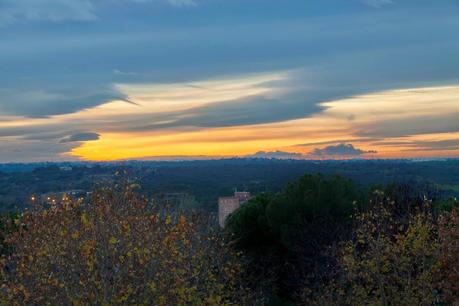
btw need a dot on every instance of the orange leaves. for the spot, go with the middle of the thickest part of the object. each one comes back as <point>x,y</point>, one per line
<point>125,227</point>
<point>182,220</point>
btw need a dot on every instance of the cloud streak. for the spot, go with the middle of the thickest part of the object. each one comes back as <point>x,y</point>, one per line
<point>46,10</point>
<point>79,137</point>
<point>13,11</point>
<point>276,155</point>
<point>377,3</point>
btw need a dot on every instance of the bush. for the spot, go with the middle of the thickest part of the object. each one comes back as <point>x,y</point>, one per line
<point>119,250</point>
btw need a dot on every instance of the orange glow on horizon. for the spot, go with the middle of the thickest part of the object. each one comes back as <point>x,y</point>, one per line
<point>402,123</point>
<point>344,120</point>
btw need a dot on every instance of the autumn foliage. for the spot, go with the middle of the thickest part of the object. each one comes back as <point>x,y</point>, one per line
<point>389,262</point>
<point>397,259</point>
<point>119,249</point>
<point>312,244</point>
<point>320,242</point>
<point>449,255</point>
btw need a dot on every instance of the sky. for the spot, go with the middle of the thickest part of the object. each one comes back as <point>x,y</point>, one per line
<point>188,79</point>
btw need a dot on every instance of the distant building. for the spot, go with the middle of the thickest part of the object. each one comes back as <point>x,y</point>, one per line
<point>227,205</point>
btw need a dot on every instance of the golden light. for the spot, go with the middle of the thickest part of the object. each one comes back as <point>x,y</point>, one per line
<point>341,120</point>
<point>395,123</point>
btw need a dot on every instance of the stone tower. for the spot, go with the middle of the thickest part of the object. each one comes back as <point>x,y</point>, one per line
<point>226,205</point>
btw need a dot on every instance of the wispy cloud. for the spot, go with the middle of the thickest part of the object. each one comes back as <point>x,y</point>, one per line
<point>78,137</point>
<point>13,11</point>
<point>125,73</point>
<point>46,10</point>
<point>377,3</point>
<point>276,155</point>
<point>182,2</point>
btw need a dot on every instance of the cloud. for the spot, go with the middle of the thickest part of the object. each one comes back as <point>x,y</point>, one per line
<point>182,2</point>
<point>232,101</point>
<point>276,155</point>
<point>181,53</point>
<point>18,150</point>
<point>424,142</point>
<point>12,11</point>
<point>44,103</point>
<point>125,73</point>
<point>178,3</point>
<point>87,136</point>
<point>46,10</point>
<point>343,62</point>
<point>377,3</point>
<point>341,149</point>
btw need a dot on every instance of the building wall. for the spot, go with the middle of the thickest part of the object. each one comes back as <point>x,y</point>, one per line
<point>225,207</point>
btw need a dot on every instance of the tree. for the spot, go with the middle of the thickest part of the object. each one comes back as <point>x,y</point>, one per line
<point>449,255</point>
<point>388,261</point>
<point>289,235</point>
<point>119,250</point>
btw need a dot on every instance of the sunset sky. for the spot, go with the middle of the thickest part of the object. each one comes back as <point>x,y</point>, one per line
<point>185,79</point>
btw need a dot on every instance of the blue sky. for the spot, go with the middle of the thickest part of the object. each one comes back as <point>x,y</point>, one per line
<point>62,57</point>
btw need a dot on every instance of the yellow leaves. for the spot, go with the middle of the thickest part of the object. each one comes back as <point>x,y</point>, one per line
<point>134,186</point>
<point>397,261</point>
<point>125,295</point>
<point>113,240</point>
<point>87,247</point>
<point>84,220</point>
<point>152,286</point>
<point>213,300</point>
<point>163,257</point>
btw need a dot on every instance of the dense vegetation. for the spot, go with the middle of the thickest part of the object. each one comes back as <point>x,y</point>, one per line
<point>322,240</point>
<point>205,181</point>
